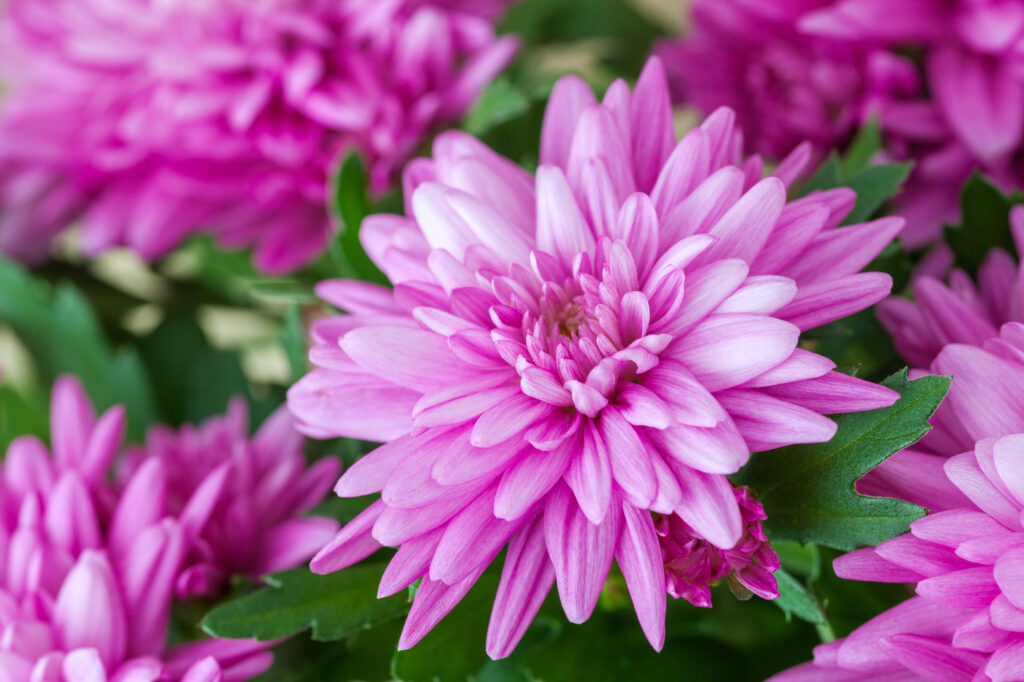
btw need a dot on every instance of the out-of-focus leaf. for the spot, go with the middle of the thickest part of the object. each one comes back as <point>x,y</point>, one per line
<point>826,177</point>
<point>501,101</point>
<point>984,225</point>
<point>21,416</point>
<point>334,606</point>
<point>454,649</point>
<point>863,148</point>
<point>874,186</point>
<point>794,598</point>
<point>351,204</point>
<point>808,490</point>
<point>294,343</point>
<point>60,330</point>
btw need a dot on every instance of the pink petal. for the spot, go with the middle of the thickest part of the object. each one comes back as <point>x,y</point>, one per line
<point>589,475</point>
<point>709,506</point>
<point>352,543</point>
<point>570,96</point>
<point>639,557</point>
<point>580,551</point>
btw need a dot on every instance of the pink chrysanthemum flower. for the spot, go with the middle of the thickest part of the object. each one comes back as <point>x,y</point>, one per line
<point>692,563</point>
<point>153,120</point>
<point>564,354</point>
<point>967,620</point>
<point>261,487</point>
<point>972,59</point>
<point>786,87</point>
<point>962,312</point>
<point>86,593</point>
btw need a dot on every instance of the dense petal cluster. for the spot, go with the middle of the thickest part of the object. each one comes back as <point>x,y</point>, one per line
<point>827,64</point>
<point>567,352</point>
<point>785,86</point>
<point>87,579</point>
<point>259,488</point>
<point>692,563</point>
<point>966,621</point>
<point>152,120</point>
<point>963,311</point>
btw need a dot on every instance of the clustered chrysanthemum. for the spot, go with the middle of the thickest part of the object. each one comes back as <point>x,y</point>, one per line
<point>816,69</point>
<point>228,123</point>
<point>566,353</point>
<point>91,566</point>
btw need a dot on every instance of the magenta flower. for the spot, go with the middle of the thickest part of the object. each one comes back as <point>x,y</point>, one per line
<point>85,595</point>
<point>260,488</point>
<point>150,121</point>
<point>692,563</point>
<point>962,312</point>
<point>965,622</point>
<point>785,86</point>
<point>564,354</point>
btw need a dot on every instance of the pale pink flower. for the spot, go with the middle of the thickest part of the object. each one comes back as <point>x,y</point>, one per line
<point>87,579</point>
<point>260,487</point>
<point>566,352</point>
<point>966,621</point>
<point>150,121</point>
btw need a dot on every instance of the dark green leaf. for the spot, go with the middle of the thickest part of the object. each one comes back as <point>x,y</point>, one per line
<point>61,331</point>
<point>454,649</point>
<point>874,186</point>
<point>351,205</point>
<point>985,223</point>
<point>808,490</point>
<point>294,342</point>
<point>334,606</point>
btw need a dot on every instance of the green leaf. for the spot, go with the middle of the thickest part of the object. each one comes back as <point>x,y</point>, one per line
<point>826,177</point>
<point>294,343</point>
<point>874,186</point>
<point>351,205</point>
<point>808,490</point>
<point>794,598</point>
<point>984,225</point>
<point>454,649</point>
<point>334,606</point>
<point>21,416</point>
<point>863,148</point>
<point>500,102</point>
<point>61,331</point>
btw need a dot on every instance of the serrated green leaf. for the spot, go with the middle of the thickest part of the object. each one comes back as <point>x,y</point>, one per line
<point>61,332</point>
<point>863,148</point>
<point>794,598</point>
<point>351,204</point>
<point>808,490</point>
<point>334,606</point>
<point>984,224</point>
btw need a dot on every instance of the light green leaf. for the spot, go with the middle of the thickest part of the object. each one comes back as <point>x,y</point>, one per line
<point>794,598</point>
<point>500,102</point>
<point>863,148</point>
<point>61,331</point>
<point>874,186</point>
<point>808,490</point>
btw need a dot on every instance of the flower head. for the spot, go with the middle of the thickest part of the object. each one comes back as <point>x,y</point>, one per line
<point>255,490</point>
<point>967,562</point>
<point>87,577</point>
<point>961,311</point>
<point>692,564</point>
<point>786,86</point>
<point>153,120</point>
<point>564,354</point>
